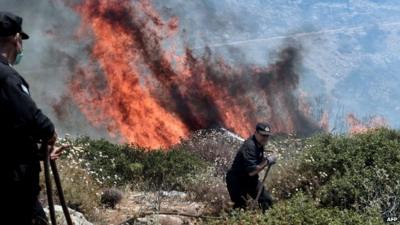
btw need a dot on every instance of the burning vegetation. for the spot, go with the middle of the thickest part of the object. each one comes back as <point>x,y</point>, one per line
<point>138,85</point>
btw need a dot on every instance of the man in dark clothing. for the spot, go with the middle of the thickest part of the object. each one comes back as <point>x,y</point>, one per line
<point>22,127</point>
<point>242,178</point>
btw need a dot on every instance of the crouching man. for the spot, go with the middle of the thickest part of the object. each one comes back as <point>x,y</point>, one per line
<point>242,177</point>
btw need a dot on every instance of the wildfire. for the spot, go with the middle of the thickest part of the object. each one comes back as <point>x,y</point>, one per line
<point>357,126</point>
<point>148,94</point>
<point>124,104</point>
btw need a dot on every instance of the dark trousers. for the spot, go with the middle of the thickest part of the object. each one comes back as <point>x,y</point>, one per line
<point>239,189</point>
<point>20,190</point>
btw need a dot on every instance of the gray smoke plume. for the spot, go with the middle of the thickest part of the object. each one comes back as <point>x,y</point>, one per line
<point>49,56</point>
<point>53,52</point>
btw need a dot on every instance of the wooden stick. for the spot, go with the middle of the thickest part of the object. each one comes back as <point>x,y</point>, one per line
<point>60,192</point>
<point>45,150</point>
<point>262,185</point>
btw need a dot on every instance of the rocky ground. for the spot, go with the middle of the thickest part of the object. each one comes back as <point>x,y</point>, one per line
<point>172,208</point>
<point>164,208</point>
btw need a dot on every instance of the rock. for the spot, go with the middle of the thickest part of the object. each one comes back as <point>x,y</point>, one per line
<point>173,194</point>
<point>77,217</point>
<point>190,208</point>
<point>161,219</point>
<point>111,197</point>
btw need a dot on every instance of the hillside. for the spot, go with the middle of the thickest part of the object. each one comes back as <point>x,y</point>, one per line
<point>325,179</point>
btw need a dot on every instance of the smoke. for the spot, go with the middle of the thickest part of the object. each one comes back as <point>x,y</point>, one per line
<point>49,55</point>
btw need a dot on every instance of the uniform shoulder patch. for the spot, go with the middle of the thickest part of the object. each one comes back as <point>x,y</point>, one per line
<point>25,89</point>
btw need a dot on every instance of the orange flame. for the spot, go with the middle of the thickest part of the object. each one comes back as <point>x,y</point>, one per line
<point>357,126</point>
<point>124,104</point>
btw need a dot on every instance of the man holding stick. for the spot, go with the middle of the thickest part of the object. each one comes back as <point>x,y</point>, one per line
<point>242,178</point>
<point>22,127</point>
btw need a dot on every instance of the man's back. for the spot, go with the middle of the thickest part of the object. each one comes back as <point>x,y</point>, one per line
<point>16,117</point>
<point>247,158</point>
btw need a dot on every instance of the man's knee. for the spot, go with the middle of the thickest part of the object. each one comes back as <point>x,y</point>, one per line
<point>236,194</point>
<point>237,197</point>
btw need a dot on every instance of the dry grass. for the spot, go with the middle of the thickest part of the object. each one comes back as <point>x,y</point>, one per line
<point>211,190</point>
<point>81,191</point>
<point>214,146</point>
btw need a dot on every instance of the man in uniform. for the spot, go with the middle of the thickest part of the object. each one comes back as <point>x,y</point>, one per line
<point>22,127</point>
<point>242,178</point>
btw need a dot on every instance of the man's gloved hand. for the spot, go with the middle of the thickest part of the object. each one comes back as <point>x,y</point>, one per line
<point>272,159</point>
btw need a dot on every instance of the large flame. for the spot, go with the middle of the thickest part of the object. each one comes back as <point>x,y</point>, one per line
<point>124,104</point>
<point>150,95</point>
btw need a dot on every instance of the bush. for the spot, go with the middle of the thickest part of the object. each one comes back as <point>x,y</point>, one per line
<point>349,172</point>
<point>284,179</point>
<point>111,197</point>
<point>210,189</point>
<point>114,165</point>
<point>299,210</point>
<point>171,169</point>
<point>216,146</point>
<point>110,164</point>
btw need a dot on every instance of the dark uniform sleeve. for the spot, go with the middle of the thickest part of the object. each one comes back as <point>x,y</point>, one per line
<point>20,112</point>
<point>249,158</point>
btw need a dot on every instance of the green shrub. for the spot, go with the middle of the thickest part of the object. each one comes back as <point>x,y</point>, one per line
<point>285,179</point>
<point>299,210</point>
<point>350,172</point>
<point>113,164</point>
<point>171,169</point>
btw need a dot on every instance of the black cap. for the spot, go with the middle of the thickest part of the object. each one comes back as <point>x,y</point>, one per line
<point>264,128</point>
<point>11,24</point>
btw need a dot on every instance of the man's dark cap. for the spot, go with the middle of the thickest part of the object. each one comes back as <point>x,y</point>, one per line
<point>264,128</point>
<point>11,24</point>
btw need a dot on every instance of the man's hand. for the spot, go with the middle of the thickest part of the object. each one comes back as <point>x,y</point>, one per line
<point>272,159</point>
<point>259,167</point>
<point>56,151</point>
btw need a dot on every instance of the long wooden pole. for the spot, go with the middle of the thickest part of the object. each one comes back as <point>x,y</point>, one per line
<point>57,180</point>
<point>262,184</point>
<point>45,150</point>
